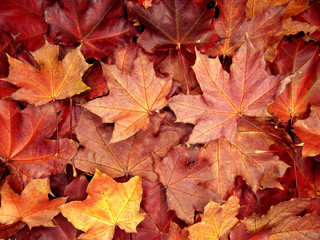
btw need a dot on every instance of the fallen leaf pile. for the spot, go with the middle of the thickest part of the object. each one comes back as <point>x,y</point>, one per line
<point>159,119</point>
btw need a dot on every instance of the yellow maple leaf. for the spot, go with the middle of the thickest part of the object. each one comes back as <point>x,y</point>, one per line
<point>216,221</point>
<point>109,204</point>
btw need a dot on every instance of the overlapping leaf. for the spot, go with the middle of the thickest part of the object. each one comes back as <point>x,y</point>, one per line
<point>32,206</point>
<point>55,80</point>
<point>23,143</point>
<point>172,23</point>
<point>133,156</point>
<point>109,204</point>
<point>246,91</point>
<point>98,25</point>
<point>133,96</point>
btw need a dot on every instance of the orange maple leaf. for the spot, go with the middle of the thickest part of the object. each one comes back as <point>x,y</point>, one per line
<point>109,204</point>
<point>216,220</point>
<point>55,80</point>
<point>32,206</point>
<point>133,96</point>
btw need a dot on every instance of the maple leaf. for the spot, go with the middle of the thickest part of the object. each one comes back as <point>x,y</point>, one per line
<point>23,143</point>
<point>187,23</point>
<point>226,98</point>
<point>308,131</point>
<point>216,220</point>
<point>25,18</point>
<point>248,156</point>
<point>133,156</point>
<point>55,80</point>
<point>294,55</point>
<point>109,204</point>
<point>184,183</point>
<point>98,25</point>
<point>232,27</point>
<point>133,96</point>
<point>32,206</point>
<point>284,223</point>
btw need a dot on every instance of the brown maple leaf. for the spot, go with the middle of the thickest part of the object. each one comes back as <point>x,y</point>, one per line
<point>133,96</point>
<point>216,220</point>
<point>109,204</point>
<point>185,183</point>
<point>32,206</point>
<point>133,156</point>
<point>55,80</point>
<point>226,98</point>
<point>24,144</point>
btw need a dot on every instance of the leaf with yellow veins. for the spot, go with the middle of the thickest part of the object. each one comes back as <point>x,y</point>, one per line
<point>216,221</point>
<point>56,79</point>
<point>109,204</point>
